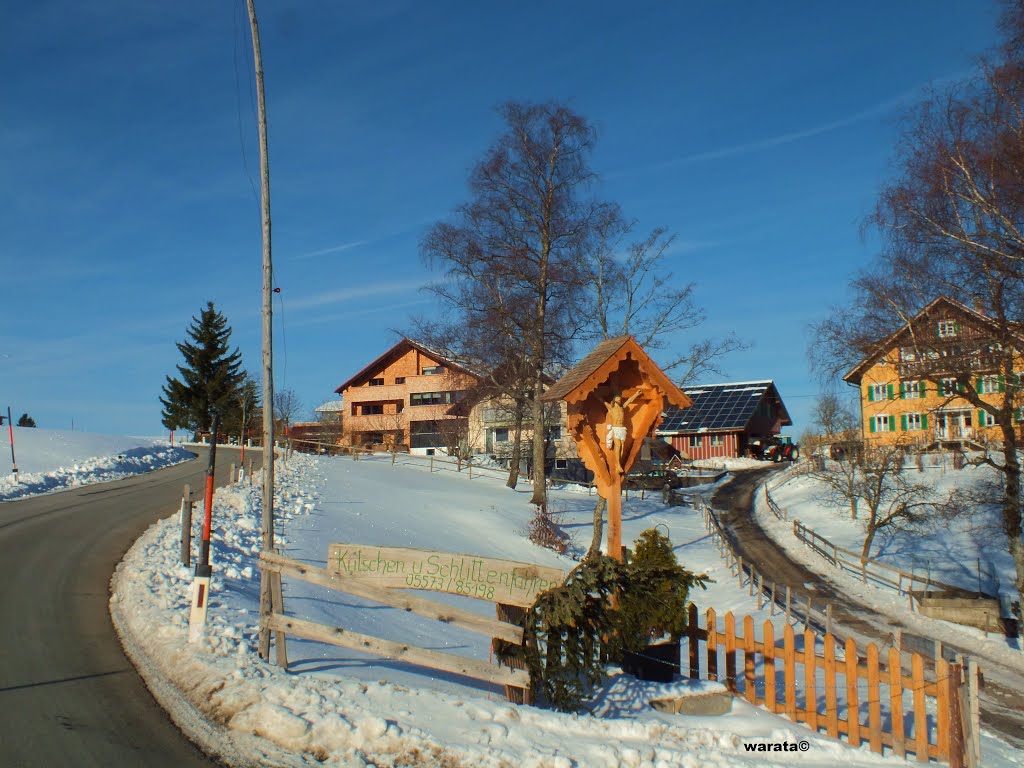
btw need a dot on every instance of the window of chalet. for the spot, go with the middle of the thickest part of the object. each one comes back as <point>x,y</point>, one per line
<point>553,433</point>
<point>948,387</point>
<point>913,421</point>
<point>908,354</point>
<point>696,441</point>
<point>432,370</point>
<point>434,398</point>
<point>912,390</point>
<point>373,409</point>
<point>716,441</point>
<point>375,382</point>
<point>501,434</point>
<point>561,463</point>
<point>882,423</point>
<point>948,328</point>
<point>878,392</point>
<point>986,419</point>
<point>990,385</point>
<point>399,379</point>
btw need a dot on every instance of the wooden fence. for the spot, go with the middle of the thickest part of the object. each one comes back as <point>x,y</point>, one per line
<point>795,605</point>
<point>913,584</point>
<point>862,697</point>
<point>381,574</point>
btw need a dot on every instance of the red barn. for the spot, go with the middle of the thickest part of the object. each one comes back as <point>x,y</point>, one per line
<point>724,419</point>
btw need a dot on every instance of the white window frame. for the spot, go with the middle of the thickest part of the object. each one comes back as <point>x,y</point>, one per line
<point>987,420</point>
<point>947,387</point>
<point>990,385</point>
<point>717,441</point>
<point>947,329</point>
<point>882,422</point>
<point>911,390</point>
<point>914,421</point>
<point>880,391</point>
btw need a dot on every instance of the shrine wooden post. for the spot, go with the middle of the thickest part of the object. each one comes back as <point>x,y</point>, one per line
<point>614,398</point>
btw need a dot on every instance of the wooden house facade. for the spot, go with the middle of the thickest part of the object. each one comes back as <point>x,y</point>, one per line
<point>725,419</point>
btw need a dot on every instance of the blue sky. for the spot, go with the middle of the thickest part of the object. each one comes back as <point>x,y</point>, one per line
<point>759,133</point>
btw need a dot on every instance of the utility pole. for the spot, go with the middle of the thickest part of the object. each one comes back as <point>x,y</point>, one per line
<point>268,339</point>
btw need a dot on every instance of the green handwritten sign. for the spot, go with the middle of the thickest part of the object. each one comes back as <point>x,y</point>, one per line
<point>500,581</point>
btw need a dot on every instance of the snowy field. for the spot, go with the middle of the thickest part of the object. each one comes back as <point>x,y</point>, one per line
<point>967,552</point>
<point>339,707</point>
<point>50,460</point>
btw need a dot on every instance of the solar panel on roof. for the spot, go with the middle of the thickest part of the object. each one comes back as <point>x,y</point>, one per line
<point>716,407</point>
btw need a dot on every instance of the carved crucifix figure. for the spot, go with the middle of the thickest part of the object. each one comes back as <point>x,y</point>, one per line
<point>616,430</point>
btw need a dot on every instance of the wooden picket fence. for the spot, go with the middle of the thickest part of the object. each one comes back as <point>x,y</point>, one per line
<point>860,696</point>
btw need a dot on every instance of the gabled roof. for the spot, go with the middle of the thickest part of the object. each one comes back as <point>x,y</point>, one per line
<point>331,406</point>
<point>721,407</point>
<point>394,353</point>
<point>897,337</point>
<point>588,373</point>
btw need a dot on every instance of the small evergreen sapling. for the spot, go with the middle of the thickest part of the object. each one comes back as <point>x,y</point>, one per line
<point>572,631</point>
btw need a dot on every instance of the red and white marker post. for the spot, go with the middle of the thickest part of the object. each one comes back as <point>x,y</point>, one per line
<point>10,430</point>
<point>201,583</point>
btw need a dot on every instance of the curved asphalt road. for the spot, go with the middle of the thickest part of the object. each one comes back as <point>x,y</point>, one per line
<point>68,695</point>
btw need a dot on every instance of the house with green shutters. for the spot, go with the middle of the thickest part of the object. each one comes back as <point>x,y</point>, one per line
<point>912,386</point>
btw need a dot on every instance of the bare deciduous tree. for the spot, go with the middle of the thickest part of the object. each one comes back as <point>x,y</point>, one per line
<point>636,293</point>
<point>952,223</point>
<point>514,251</point>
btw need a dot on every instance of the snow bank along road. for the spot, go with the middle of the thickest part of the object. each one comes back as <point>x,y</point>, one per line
<point>1002,706</point>
<point>68,694</point>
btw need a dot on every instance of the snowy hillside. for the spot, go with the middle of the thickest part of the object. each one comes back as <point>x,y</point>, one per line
<point>350,709</point>
<point>50,460</point>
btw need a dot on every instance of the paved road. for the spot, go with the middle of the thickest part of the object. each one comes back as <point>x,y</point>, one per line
<point>1002,707</point>
<point>68,695</point>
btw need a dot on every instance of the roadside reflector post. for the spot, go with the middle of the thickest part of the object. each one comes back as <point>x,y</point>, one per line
<point>201,584</point>
<point>186,526</point>
<point>10,431</point>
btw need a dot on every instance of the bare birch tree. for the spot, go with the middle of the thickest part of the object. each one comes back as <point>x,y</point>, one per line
<point>517,246</point>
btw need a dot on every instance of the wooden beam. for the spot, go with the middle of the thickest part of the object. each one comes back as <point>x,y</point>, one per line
<point>485,578</point>
<point>432,610</point>
<point>446,662</point>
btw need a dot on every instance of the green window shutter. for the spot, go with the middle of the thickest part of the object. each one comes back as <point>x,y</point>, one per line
<point>889,389</point>
<point>1002,383</point>
<point>956,328</point>
<point>980,385</point>
<point>871,394</point>
<point>903,422</point>
<point>871,423</point>
<point>892,423</point>
<point>903,391</point>
<point>924,388</point>
<point>981,417</point>
<point>924,421</point>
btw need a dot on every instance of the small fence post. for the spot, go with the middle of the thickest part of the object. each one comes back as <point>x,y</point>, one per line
<point>232,477</point>
<point>186,526</point>
<point>789,598</point>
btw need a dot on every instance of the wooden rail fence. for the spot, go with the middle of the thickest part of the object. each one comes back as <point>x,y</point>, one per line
<point>913,584</point>
<point>795,605</point>
<point>381,574</point>
<point>860,696</point>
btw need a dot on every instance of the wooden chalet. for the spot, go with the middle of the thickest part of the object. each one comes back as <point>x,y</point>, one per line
<point>725,418</point>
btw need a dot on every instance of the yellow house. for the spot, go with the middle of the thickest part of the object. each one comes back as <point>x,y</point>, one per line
<point>913,388</point>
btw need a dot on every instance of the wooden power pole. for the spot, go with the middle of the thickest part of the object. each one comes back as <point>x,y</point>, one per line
<point>268,341</point>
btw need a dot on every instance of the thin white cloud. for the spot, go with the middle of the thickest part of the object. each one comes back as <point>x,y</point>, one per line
<point>756,145</point>
<point>354,293</point>
<point>333,249</point>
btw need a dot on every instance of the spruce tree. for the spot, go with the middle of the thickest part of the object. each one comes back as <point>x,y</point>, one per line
<point>26,421</point>
<point>210,377</point>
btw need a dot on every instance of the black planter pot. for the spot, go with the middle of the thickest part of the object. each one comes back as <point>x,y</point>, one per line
<point>658,662</point>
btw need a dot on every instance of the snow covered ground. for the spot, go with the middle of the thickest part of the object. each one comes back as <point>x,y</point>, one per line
<point>966,552</point>
<point>50,460</point>
<point>340,707</point>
